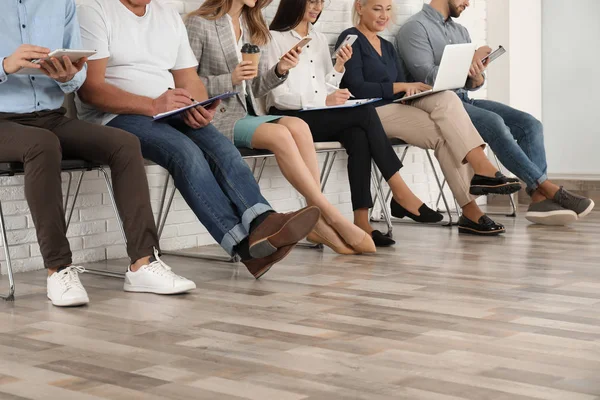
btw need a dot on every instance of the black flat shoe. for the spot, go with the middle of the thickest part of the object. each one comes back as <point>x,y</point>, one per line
<point>500,184</point>
<point>427,215</point>
<point>485,227</point>
<point>382,240</point>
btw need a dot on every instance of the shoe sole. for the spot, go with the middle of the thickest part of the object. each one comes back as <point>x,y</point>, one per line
<point>552,218</point>
<point>587,210</point>
<point>327,243</point>
<point>146,289</point>
<point>293,231</point>
<point>268,266</point>
<point>482,190</point>
<point>79,302</point>
<point>471,231</point>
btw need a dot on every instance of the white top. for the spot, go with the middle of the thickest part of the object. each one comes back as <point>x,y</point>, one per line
<point>141,51</point>
<point>306,85</point>
<point>239,44</point>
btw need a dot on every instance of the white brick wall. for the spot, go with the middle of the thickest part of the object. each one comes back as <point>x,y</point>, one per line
<point>93,233</point>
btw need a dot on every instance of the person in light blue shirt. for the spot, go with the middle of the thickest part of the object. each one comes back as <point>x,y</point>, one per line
<point>35,131</point>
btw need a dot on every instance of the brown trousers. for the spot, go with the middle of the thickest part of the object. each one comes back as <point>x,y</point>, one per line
<point>40,140</point>
<point>439,122</point>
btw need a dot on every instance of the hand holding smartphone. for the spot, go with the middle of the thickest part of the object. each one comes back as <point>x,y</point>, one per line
<point>493,55</point>
<point>349,40</point>
<point>300,45</point>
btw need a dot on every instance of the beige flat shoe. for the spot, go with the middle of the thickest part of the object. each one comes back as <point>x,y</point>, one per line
<point>326,235</point>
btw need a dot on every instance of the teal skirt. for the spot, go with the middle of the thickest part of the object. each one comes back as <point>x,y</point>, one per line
<point>244,129</point>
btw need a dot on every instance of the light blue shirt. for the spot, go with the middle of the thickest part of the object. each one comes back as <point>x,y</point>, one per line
<point>47,23</point>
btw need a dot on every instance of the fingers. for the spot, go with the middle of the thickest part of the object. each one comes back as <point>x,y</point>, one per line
<point>69,68</point>
<point>33,55</point>
<point>200,116</point>
<point>80,63</point>
<point>49,69</point>
<point>28,64</point>
<point>190,121</point>
<point>31,47</point>
<point>244,63</point>
<point>180,92</point>
<point>423,87</point>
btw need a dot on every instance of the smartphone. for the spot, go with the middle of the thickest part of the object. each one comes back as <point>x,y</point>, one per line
<point>349,40</point>
<point>303,42</point>
<point>493,55</point>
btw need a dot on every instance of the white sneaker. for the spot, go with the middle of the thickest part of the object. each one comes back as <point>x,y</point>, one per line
<point>65,288</point>
<point>158,278</point>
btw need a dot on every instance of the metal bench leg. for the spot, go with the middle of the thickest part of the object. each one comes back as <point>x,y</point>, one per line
<point>69,212</point>
<point>511,197</point>
<point>376,178</point>
<point>163,196</point>
<point>441,187</point>
<point>111,194</point>
<point>11,283</point>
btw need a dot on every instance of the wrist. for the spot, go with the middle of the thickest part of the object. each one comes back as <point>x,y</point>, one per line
<point>339,67</point>
<point>280,71</point>
<point>151,108</point>
<point>6,67</point>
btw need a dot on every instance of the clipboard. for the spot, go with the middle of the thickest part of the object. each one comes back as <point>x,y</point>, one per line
<point>348,104</point>
<point>204,103</point>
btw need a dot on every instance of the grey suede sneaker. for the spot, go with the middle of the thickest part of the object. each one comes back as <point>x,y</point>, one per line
<point>582,206</point>
<point>548,212</point>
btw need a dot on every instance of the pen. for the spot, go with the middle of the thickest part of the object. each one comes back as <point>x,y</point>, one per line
<point>337,88</point>
<point>190,97</point>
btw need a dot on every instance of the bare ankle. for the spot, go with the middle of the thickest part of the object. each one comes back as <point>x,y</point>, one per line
<point>139,263</point>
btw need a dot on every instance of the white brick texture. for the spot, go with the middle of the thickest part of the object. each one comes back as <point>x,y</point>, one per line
<point>94,233</point>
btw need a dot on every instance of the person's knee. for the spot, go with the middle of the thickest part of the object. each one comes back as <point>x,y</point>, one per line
<point>128,144</point>
<point>281,140</point>
<point>532,125</point>
<point>299,130</point>
<point>46,147</point>
<point>493,129</point>
<point>449,100</point>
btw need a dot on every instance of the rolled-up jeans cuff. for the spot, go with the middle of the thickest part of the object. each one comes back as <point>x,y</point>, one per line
<point>532,188</point>
<point>233,238</point>
<point>240,231</point>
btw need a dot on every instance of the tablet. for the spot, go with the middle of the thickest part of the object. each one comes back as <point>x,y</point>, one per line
<point>205,104</point>
<point>74,56</point>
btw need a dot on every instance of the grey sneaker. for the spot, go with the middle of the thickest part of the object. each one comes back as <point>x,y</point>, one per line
<point>548,212</point>
<point>581,205</point>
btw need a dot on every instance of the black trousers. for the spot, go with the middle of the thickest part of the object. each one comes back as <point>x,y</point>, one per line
<point>360,131</point>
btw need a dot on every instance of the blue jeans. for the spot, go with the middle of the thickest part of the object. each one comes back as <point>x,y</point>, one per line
<point>516,137</point>
<point>208,171</point>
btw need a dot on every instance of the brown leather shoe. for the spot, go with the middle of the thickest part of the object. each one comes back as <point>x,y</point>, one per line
<point>259,266</point>
<point>279,230</point>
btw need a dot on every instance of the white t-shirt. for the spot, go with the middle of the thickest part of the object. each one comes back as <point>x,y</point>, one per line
<point>141,51</point>
<point>309,83</point>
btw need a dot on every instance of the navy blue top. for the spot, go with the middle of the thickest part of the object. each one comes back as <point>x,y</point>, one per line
<point>369,74</point>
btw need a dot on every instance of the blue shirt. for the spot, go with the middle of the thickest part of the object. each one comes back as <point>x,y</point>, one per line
<point>47,23</point>
<point>369,74</point>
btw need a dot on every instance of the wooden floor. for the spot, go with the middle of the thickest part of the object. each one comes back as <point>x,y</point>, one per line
<point>439,316</point>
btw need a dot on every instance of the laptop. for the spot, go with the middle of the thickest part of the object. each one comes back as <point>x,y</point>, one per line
<point>453,71</point>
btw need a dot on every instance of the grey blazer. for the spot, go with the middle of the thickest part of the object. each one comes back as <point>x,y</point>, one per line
<point>216,51</point>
